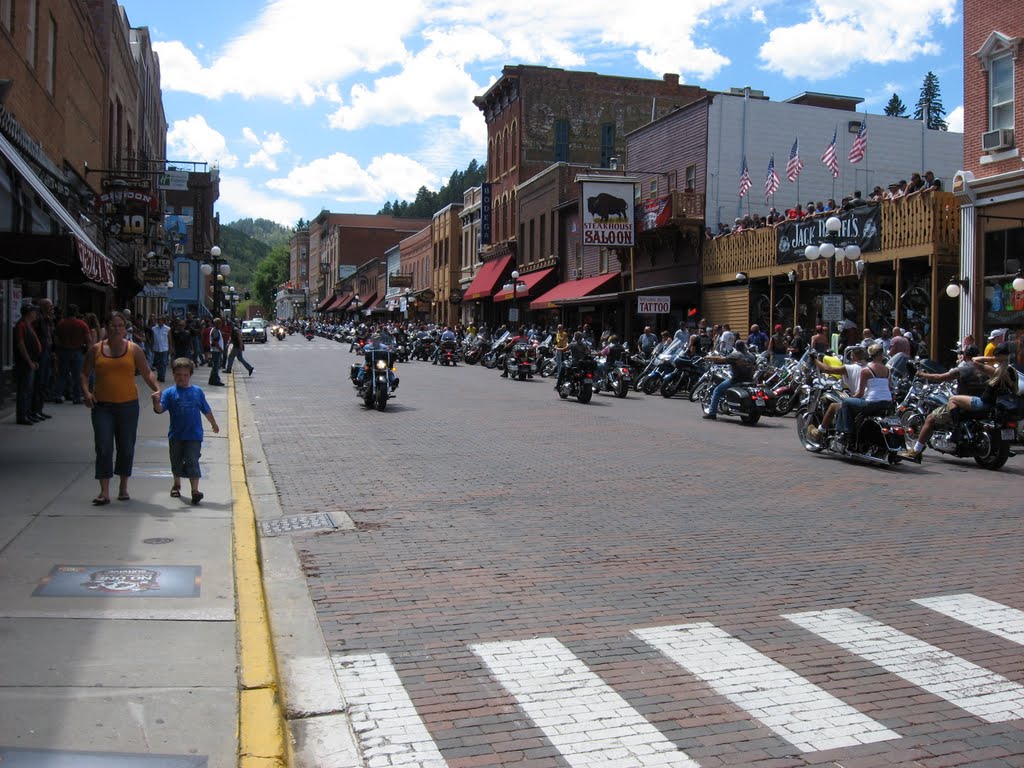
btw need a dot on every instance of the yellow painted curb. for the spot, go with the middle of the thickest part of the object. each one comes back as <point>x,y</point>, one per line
<point>261,723</point>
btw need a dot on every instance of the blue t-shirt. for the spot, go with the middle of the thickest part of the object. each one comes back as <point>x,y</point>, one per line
<point>186,405</point>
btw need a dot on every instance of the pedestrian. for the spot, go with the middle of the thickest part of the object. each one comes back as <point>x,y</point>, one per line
<point>187,405</point>
<point>115,404</point>
<point>237,347</point>
<point>42,384</point>
<point>216,353</point>
<point>73,337</point>
<point>27,350</point>
<point>161,347</point>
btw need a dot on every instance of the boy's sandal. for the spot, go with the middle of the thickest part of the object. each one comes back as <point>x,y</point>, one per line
<point>175,492</point>
<point>124,496</point>
<point>196,497</point>
<point>99,501</point>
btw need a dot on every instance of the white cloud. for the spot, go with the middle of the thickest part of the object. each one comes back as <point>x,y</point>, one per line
<point>268,148</point>
<point>193,139</point>
<point>839,34</point>
<point>239,200</point>
<point>757,16</point>
<point>341,178</point>
<point>955,120</point>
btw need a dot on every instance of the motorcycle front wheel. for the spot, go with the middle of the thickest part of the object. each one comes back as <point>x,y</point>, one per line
<point>669,388</point>
<point>382,398</point>
<point>697,393</point>
<point>490,362</point>
<point>651,385</point>
<point>562,393</point>
<point>548,369</point>
<point>586,392</point>
<point>784,403</point>
<point>803,421</point>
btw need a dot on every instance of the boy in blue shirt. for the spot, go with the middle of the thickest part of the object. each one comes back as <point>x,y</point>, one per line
<point>187,404</point>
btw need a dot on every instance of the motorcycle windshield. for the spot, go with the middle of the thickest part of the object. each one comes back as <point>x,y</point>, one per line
<point>503,338</point>
<point>673,350</point>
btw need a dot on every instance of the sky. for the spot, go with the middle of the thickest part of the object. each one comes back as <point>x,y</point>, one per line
<point>307,105</point>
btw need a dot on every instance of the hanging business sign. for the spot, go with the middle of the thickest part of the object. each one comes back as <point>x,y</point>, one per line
<point>653,305</point>
<point>173,180</point>
<point>485,214</point>
<point>609,219</point>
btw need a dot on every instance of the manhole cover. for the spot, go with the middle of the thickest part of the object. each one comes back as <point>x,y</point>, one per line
<point>157,541</point>
<point>296,524</point>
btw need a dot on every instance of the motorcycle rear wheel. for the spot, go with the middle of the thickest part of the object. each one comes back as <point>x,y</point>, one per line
<point>521,375</point>
<point>750,419</point>
<point>994,455</point>
<point>912,423</point>
<point>620,388</point>
<point>586,392</point>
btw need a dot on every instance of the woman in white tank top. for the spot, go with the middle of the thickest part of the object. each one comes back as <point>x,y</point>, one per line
<point>874,396</point>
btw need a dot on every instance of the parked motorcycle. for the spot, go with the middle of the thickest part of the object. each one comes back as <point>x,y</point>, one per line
<point>744,399</point>
<point>875,439</point>
<point>615,378</point>
<point>378,381</point>
<point>687,372</point>
<point>579,380</point>
<point>495,356</point>
<point>477,350</point>
<point>447,354</point>
<point>661,367</point>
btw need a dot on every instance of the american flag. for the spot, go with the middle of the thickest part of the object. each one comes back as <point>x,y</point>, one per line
<point>829,158</point>
<point>795,163</point>
<point>860,144</point>
<point>771,181</point>
<point>745,182</point>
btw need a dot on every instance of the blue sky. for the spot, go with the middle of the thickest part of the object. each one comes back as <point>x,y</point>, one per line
<point>313,104</point>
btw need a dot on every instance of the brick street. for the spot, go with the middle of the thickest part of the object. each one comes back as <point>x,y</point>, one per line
<point>534,581</point>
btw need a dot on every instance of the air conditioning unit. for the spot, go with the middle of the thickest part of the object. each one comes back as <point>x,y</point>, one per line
<point>1000,138</point>
<point>577,273</point>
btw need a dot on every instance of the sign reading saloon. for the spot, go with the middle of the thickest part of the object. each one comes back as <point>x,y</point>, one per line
<point>861,226</point>
<point>609,219</point>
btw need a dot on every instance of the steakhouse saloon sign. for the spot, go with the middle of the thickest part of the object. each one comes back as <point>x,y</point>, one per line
<point>608,216</point>
<point>861,226</point>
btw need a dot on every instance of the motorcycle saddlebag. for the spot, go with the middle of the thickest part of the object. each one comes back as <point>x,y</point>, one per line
<point>353,370</point>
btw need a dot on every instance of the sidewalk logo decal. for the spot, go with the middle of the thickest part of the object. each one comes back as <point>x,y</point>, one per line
<point>121,581</point>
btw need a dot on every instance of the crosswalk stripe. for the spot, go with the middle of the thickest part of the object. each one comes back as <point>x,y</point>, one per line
<point>808,717</point>
<point>389,729</point>
<point>586,720</point>
<point>984,694</point>
<point>979,612</point>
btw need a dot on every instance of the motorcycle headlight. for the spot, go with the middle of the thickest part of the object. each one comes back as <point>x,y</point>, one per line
<point>381,365</point>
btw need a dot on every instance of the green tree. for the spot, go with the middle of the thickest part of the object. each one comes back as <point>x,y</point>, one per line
<point>896,107</point>
<point>427,202</point>
<point>268,275</point>
<point>929,104</point>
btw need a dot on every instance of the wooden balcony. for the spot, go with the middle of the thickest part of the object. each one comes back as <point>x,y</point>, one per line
<point>922,225</point>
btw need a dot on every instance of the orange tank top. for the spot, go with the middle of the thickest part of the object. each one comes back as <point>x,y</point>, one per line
<point>115,377</point>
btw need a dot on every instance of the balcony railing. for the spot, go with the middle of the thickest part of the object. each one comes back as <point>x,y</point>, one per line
<point>922,225</point>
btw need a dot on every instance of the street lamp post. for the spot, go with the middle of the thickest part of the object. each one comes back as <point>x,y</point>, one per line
<point>515,286</point>
<point>832,250</point>
<point>223,270</point>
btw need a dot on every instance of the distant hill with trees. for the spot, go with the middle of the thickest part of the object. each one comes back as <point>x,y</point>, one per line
<point>428,203</point>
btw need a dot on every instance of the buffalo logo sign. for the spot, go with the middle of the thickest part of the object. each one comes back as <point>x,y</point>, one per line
<point>608,215</point>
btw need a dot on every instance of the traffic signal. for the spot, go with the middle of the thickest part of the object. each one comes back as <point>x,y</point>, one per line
<point>248,295</point>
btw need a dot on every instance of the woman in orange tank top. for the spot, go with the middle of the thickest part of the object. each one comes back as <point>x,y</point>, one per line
<point>114,400</point>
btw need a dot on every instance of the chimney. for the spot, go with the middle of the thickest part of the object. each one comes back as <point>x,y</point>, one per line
<point>671,78</point>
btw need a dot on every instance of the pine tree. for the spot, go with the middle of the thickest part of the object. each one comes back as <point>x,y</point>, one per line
<point>896,107</point>
<point>929,104</point>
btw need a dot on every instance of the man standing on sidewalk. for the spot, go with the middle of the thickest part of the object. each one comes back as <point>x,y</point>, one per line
<point>73,338</point>
<point>161,347</point>
<point>216,352</point>
<point>27,350</point>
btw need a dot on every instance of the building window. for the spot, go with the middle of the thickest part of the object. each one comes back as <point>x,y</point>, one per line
<point>51,56</point>
<point>561,141</point>
<point>691,178</point>
<point>30,43</point>
<point>530,247</point>
<point>607,144</point>
<point>1000,93</point>
<point>602,260</point>
<point>181,279</point>
<point>543,237</point>
<point>7,14</point>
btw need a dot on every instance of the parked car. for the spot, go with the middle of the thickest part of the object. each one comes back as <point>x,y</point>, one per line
<point>253,331</point>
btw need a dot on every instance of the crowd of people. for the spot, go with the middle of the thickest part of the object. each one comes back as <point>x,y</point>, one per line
<point>918,184</point>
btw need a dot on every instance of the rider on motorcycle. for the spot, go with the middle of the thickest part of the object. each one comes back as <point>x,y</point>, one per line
<point>850,375</point>
<point>506,349</point>
<point>742,363</point>
<point>578,350</point>
<point>873,396</point>
<point>446,335</point>
<point>973,392</point>
<point>376,342</point>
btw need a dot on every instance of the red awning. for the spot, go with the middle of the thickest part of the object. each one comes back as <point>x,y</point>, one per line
<point>486,279</point>
<point>572,289</point>
<point>323,304</point>
<point>338,303</point>
<point>366,303</point>
<point>531,279</point>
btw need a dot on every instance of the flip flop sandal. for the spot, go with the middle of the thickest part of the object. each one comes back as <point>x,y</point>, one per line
<point>123,497</point>
<point>196,498</point>
<point>99,501</point>
<point>175,492</point>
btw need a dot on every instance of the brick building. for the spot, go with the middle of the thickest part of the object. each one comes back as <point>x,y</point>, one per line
<point>537,116</point>
<point>446,258</point>
<point>990,188</point>
<point>416,259</point>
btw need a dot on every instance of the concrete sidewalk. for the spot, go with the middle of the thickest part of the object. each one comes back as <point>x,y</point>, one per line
<point>176,672</point>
